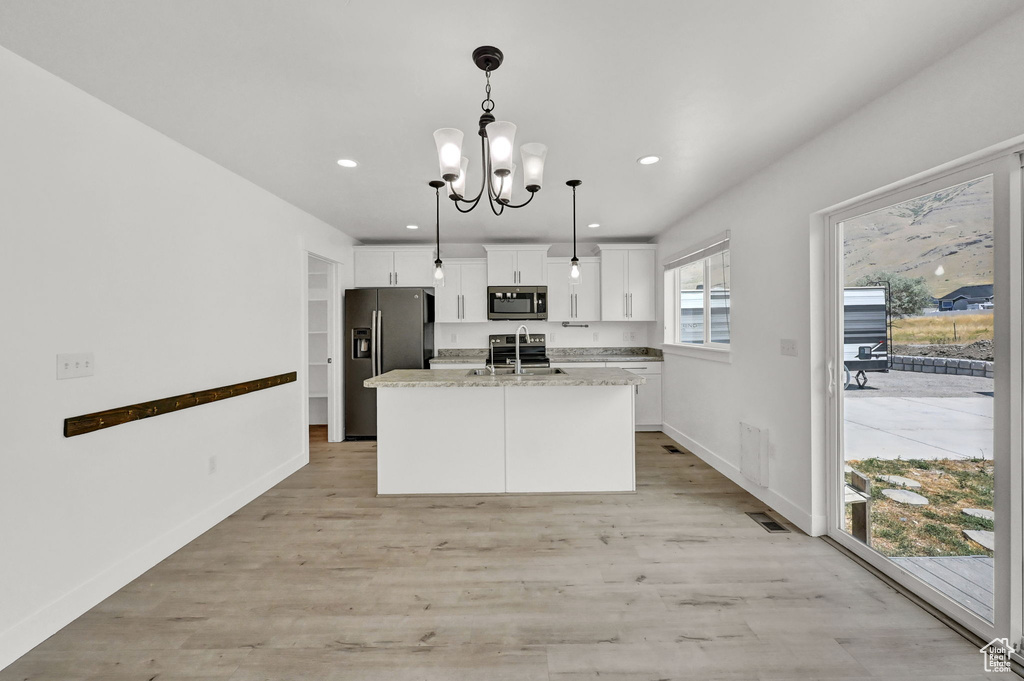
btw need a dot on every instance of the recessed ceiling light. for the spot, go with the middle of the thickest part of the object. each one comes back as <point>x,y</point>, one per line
<point>347,163</point>
<point>593,225</point>
<point>648,160</point>
<point>412,226</point>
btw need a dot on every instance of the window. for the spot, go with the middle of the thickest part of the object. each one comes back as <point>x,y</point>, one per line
<point>697,310</point>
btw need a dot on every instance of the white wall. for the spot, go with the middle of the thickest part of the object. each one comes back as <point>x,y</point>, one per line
<point>968,101</point>
<point>608,334</point>
<point>179,276</point>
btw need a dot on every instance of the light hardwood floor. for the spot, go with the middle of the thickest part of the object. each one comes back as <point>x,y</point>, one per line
<point>319,579</point>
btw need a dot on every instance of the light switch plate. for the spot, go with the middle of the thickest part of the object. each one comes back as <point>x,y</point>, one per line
<point>75,365</point>
<point>787,346</point>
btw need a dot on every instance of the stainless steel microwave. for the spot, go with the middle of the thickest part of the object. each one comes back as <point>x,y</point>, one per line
<point>517,302</point>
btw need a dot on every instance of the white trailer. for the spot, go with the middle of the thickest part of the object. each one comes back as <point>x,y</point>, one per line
<point>865,331</point>
<point>691,316</point>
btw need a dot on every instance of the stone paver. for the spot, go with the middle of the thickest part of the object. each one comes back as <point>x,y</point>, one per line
<point>899,480</point>
<point>904,496</point>
<point>983,537</point>
<point>982,513</point>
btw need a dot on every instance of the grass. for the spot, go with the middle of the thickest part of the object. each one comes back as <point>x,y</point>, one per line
<point>935,529</point>
<point>939,329</point>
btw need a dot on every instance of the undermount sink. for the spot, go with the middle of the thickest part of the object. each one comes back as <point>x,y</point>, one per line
<point>509,371</point>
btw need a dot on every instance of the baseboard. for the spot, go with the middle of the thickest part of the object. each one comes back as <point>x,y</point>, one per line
<point>51,618</point>
<point>647,429</point>
<point>787,509</point>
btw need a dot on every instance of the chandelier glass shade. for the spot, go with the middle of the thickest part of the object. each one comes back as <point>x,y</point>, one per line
<point>497,153</point>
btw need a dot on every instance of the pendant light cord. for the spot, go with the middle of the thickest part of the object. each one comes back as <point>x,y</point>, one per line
<point>574,223</point>
<point>437,202</point>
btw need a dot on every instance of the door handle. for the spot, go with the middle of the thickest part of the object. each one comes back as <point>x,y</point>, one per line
<point>380,343</point>
<point>831,379</point>
<point>373,344</point>
<point>462,307</point>
<point>630,305</point>
<point>396,278</point>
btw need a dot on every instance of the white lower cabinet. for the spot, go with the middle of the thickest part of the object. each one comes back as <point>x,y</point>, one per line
<point>647,406</point>
<point>648,395</point>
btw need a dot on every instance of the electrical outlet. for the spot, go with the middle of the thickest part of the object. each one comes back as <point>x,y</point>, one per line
<point>596,335</point>
<point>629,336</point>
<point>551,339</point>
<point>787,346</point>
<point>455,338</point>
<point>75,365</point>
<point>212,465</point>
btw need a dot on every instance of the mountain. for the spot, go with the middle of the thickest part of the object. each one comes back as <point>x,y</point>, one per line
<point>945,237</point>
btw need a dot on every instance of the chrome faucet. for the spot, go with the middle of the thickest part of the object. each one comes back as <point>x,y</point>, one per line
<point>519,362</point>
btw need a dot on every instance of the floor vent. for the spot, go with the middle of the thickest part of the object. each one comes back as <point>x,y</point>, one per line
<point>765,521</point>
<point>672,449</point>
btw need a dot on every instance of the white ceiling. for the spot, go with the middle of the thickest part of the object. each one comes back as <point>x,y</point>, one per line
<point>278,91</point>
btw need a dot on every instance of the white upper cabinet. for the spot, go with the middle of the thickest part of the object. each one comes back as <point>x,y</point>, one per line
<point>414,268</point>
<point>448,298</point>
<point>517,265</point>
<point>463,298</point>
<point>395,266</point>
<point>576,300</point>
<point>533,267</point>
<point>474,291</point>
<point>627,282</point>
<point>374,268</point>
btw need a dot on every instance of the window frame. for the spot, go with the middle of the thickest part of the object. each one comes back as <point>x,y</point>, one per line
<point>671,342</point>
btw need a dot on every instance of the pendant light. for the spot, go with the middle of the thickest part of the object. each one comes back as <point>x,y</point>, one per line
<point>574,271</point>
<point>438,265</point>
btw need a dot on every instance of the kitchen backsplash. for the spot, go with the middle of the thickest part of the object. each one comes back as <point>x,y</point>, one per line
<point>599,334</point>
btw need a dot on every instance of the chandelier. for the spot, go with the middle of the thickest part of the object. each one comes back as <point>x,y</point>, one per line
<point>496,150</point>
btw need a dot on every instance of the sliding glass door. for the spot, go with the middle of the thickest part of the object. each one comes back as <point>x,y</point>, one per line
<point>925,316</point>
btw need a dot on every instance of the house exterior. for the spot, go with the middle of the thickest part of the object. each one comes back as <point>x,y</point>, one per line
<point>965,296</point>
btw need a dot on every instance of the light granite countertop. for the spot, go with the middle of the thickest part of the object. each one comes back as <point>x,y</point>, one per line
<point>464,378</point>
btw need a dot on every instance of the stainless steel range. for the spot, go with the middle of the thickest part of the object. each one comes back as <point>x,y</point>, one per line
<point>532,350</point>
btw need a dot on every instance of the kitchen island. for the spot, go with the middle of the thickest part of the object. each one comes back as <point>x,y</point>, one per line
<point>453,431</point>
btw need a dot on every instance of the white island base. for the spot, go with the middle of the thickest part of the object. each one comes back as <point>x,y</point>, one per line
<point>505,437</point>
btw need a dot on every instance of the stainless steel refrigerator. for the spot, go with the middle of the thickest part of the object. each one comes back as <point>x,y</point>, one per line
<point>385,329</point>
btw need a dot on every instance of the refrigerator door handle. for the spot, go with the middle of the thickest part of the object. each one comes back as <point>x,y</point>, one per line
<point>380,343</point>
<point>373,344</point>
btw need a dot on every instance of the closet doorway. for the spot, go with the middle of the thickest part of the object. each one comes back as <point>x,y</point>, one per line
<point>323,321</point>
